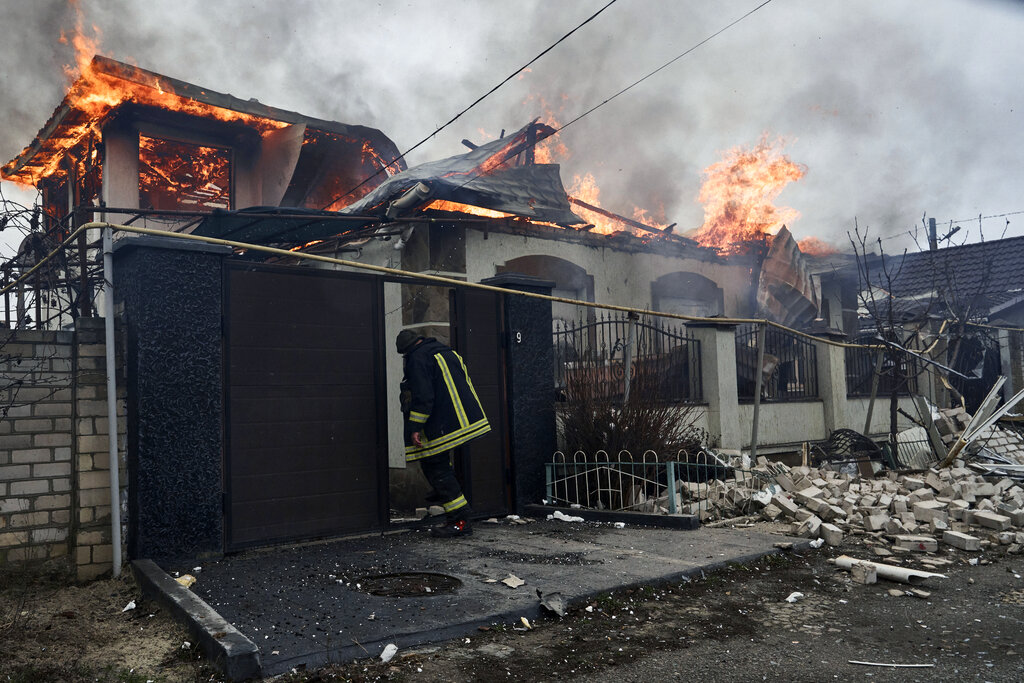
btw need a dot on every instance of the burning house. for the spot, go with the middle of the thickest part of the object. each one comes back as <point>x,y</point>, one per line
<point>131,145</point>
<point>126,141</point>
<point>297,362</point>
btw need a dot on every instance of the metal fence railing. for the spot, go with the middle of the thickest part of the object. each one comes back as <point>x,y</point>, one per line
<point>789,369</point>
<point>897,371</point>
<point>701,482</point>
<point>663,358</point>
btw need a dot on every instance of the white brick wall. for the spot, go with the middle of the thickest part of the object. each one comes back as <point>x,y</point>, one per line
<point>54,466</point>
<point>35,440</point>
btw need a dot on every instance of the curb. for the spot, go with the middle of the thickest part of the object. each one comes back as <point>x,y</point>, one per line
<point>230,651</point>
<point>687,522</point>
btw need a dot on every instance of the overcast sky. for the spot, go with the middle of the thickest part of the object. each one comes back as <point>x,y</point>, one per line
<point>896,107</point>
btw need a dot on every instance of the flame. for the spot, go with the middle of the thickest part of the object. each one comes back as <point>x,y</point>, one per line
<point>179,175</point>
<point>812,246</point>
<point>369,154</point>
<point>306,245</point>
<point>94,94</point>
<point>456,207</point>
<point>550,150</point>
<point>645,216</point>
<point>585,188</point>
<point>738,195</point>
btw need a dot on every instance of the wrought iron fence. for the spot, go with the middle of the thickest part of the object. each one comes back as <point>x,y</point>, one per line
<point>898,370</point>
<point>42,292</point>
<point>701,483</point>
<point>665,357</point>
<point>789,370</point>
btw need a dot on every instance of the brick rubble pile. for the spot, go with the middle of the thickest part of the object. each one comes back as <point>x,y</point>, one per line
<point>952,506</point>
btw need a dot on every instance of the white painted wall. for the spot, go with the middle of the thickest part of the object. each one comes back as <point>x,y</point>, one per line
<point>857,412</point>
<point>620,278</point>
<point>783,423</point>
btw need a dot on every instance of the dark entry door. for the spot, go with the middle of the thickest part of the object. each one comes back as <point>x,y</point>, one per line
<point>306,454</point>
<point>484,463</point>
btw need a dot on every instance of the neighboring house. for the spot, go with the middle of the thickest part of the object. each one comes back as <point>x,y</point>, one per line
<point>975,287</point>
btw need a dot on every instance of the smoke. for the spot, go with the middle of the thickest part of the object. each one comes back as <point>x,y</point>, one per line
<point>895,110</point>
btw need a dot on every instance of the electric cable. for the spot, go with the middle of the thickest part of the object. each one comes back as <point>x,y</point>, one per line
<point>637,82</point>
<point>663,66</point>
<point>475,102</point>
<point>954,221</point>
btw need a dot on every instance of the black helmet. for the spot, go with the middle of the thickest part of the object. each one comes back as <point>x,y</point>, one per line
<point>406,340</point>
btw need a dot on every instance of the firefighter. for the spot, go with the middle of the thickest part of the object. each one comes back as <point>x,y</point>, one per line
<point>441,411</point>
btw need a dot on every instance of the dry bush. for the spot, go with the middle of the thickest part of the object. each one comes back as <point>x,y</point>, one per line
<point>594,417</point>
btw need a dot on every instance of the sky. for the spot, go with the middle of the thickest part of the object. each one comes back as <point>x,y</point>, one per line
<point>897,108</point>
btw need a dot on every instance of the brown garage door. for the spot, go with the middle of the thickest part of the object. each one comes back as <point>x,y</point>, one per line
<point>306,454</point>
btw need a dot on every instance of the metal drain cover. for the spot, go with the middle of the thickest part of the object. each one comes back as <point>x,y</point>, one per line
<point>409,584</point>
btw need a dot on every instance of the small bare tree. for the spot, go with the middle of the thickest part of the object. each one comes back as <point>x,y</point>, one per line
<point>896,321</point>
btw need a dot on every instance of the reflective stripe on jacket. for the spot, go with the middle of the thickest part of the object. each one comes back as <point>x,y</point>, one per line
<point>444,407</point>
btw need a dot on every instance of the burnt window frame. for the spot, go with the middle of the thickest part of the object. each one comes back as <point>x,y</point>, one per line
<point>197,140</point>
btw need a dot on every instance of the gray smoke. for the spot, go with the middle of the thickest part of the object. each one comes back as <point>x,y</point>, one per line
<point>896,108</point>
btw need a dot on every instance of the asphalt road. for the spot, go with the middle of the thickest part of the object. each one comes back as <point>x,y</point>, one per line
<point>735,625</point>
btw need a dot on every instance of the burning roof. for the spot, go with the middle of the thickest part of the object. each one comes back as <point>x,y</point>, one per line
<point>105,86</point>
<point>488,177</point>
<point>785,292</point>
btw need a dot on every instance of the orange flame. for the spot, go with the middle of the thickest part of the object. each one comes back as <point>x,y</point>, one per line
<point>456,207</point>
<point>738,195</point>
<point>585,188</point>
<point>812,246</point>
<point>177,175</point>
<point>94,93</point>
<point>370,154</point>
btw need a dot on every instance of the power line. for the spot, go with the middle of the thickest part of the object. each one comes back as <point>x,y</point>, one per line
<point>904,233</point>
<point>664,66</point>
<point>478,100</point>
<point>642,79</point>
<point>974,218</point>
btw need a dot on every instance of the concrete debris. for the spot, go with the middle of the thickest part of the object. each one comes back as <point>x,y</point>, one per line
<point>513,581</point>
<point>553,602</point>
<point>956,506</point>
<point>864,573</point>
<point>886,571</point>
<point>557,514</point>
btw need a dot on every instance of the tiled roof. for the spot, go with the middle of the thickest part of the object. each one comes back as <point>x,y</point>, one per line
<point>991,269</point>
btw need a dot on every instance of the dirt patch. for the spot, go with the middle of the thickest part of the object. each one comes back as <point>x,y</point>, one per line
<point>55,632</point>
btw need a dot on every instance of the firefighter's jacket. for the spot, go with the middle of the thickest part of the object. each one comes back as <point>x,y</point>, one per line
<point>443,405</point>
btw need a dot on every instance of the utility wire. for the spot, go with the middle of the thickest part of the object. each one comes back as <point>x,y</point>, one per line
<point>477,101</point>
<point>663,66</point>
<point>641,80</point>
<point>904,233</point>
<point>974,218</point>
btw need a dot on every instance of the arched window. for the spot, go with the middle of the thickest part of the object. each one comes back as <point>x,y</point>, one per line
<point>688,294</point>
<point>571,281</point>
